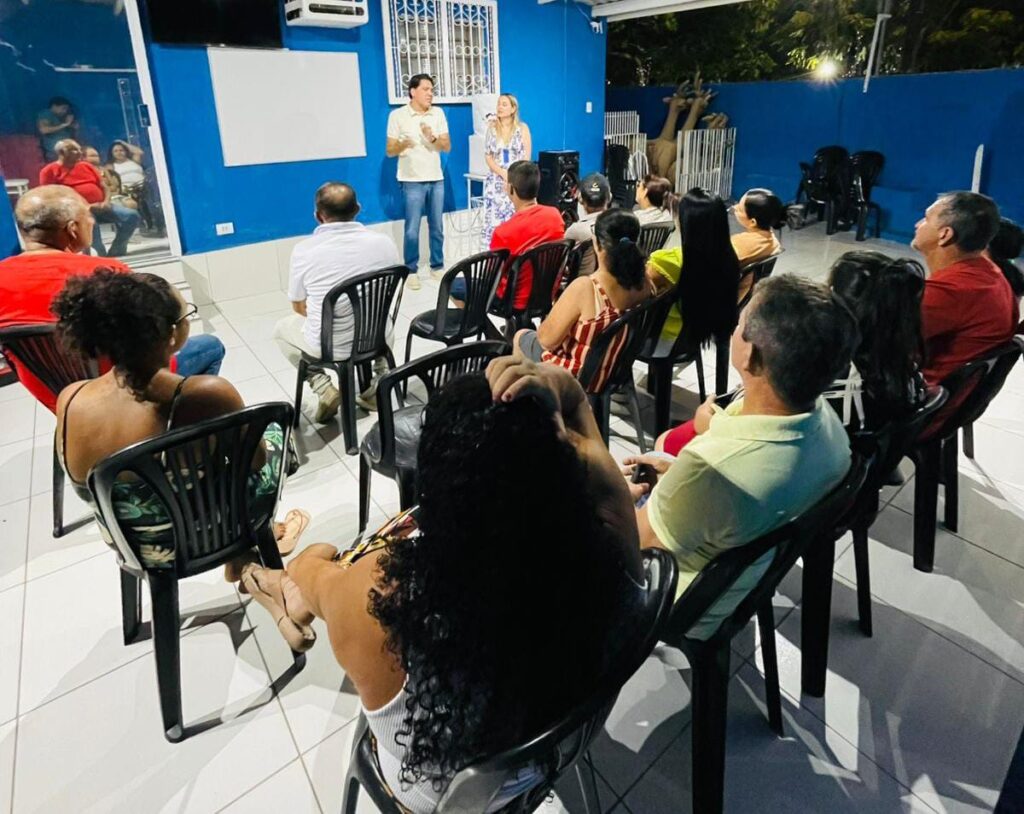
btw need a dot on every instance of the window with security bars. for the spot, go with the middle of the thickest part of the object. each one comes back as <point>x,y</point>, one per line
<point>455,41</point>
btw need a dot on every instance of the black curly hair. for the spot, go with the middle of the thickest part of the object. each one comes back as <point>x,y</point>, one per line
<point>127,318</point>
<point>503,609</point>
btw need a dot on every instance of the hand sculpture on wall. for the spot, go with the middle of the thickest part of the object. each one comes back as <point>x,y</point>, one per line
<point>694,98</point>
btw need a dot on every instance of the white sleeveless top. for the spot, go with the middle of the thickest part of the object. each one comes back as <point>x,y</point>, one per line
<point>420,798</point>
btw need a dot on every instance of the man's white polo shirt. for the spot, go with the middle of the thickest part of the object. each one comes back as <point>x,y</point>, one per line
<point>335,252</point>
<point>421,162</point>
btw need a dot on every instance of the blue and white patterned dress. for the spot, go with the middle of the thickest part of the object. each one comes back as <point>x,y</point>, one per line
<point>497,205</point>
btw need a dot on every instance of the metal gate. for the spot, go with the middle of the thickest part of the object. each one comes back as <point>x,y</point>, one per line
<point>705,158</point>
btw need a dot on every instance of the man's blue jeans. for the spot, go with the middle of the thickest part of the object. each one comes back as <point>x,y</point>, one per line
<point>423,198</point>
<point>201,354</point>
<point>125,221</point>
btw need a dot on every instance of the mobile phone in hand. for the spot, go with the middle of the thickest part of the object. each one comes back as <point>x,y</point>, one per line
<point>645,473</point>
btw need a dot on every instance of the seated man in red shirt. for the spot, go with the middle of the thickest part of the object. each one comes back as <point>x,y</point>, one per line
<point>968,307</point>
<point>71,170</point>
<point>531,225</point>
<point>56,225</point>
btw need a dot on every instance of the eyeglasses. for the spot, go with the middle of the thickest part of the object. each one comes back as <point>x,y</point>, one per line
<point>191,310</point>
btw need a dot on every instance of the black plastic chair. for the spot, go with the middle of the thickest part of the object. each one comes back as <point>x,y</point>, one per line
<point>891,442</point>
<point>685,350</point>
<point>971,388</point>
<point>582,261</point>
<point>625,338</point>
<point>862,171</point>
<point>709,659</point>
<point>547,262</point>
<point>200,476</point>
<point>481,273</point>
<point>38,349</point>
<point>390,447</point>
<point>653,236</point>
<point>556,750</point>
<point>375,298</point>
<point>760,270</point>
<point>821,184</point>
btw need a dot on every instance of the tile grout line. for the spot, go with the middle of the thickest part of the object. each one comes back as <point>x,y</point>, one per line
<point>148,653</point>
<point>941,527</point>
<point>280,706</point>
<point>856,747</point>
<point>21,638</point>
<point>38,577</point>
<point>266,779</point>
<point>917,620</point>
<point>302,756</point>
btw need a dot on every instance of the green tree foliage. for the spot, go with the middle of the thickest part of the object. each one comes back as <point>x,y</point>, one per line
<point>782,39</point>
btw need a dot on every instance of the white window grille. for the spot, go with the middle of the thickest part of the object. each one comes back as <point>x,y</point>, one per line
<point>623,127</point>
<point>455,41</point>
<point>705,158</point>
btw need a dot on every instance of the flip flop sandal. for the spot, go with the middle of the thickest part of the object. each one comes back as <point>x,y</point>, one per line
<point>233,568</point>
<point>295,522</point>
<point>300,637</point>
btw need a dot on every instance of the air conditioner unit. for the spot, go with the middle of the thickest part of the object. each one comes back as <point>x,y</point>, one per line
<point>327,13</point>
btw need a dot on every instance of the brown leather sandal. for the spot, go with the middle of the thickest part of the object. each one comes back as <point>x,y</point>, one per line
<point>284,603</point>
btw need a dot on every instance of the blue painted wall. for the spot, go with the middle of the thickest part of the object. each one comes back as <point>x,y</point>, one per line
<point>8,231</point>
<point>927,125</point>
<point>64,33</point>
<point>550,59</point>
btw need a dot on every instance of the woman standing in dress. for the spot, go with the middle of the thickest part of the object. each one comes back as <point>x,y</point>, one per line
<point>507,140</point>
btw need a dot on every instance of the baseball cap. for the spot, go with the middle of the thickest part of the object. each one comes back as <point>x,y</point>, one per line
<point>594,189</point>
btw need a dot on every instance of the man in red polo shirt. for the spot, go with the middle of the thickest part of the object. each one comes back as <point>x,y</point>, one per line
<point>56,225</point>
<point>71,170</point>
<point>531,225</point>
<point>968,307</point>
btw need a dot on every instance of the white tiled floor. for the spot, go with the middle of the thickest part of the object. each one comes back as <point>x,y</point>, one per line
<point>922,717</point>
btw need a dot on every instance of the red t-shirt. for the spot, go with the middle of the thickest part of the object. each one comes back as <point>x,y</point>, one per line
<point>28,285</point>
<point>83,178</point>
<point>525,229</point>
<point>968,309</point>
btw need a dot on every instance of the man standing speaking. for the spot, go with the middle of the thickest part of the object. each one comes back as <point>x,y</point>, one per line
<point>418,134</point>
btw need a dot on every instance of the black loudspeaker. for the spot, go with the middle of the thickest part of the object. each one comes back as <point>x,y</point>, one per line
<point>616,167</point>
<point>559,181</point>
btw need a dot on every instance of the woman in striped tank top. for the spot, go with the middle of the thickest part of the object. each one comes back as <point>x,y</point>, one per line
<point>590,304</point>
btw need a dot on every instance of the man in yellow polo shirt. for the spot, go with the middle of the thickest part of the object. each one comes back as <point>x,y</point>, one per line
<point>771,454</point>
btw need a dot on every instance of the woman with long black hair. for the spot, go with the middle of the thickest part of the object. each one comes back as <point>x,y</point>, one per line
<point>884,296</point>
<point>704,270</point>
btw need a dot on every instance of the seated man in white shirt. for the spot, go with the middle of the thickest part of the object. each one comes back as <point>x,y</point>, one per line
<point>339,248</point>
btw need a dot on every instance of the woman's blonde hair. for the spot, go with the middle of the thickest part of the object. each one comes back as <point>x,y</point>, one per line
<point>515,119</point>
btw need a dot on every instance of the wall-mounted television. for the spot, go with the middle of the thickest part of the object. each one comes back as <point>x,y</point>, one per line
<point>240,23</point>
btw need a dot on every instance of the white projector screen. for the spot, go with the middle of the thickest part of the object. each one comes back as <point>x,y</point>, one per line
<point>276,106</point>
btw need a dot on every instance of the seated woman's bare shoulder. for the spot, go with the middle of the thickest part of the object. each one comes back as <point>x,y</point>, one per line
<point>205,397</point>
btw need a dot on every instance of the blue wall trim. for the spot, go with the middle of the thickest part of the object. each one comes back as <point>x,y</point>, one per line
<point>550,59</point>
<point>8,231</point>
<point>927,125</point>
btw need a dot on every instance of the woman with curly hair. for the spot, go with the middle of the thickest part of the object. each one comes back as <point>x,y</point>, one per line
<point>137,322</point>
<point>483,615</point>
